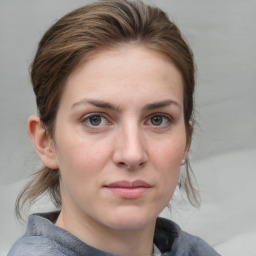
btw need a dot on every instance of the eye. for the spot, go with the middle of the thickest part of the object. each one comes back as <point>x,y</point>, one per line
<point>156,120</point>
<point>159,120</point>
<point>95,120</point>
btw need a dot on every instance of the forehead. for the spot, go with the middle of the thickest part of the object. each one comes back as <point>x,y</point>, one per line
<point>125,71</point>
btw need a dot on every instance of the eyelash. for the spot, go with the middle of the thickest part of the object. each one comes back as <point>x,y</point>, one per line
<point>86,119</point>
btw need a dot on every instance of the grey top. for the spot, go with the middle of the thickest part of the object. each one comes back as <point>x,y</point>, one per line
<point>44,238</point>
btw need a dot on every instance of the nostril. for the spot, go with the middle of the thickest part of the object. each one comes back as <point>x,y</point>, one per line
<point>130,167</point>
<point>122,164</point>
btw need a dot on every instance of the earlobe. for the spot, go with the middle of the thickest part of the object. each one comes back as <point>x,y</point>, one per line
<point>42,142</point>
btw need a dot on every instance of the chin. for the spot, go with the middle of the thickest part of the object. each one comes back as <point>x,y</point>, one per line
<point>131,220</point>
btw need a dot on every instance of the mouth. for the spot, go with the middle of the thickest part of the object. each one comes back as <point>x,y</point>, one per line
<point>129,189</point>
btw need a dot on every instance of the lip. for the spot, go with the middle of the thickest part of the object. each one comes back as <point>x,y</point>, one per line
<point>128,189</point>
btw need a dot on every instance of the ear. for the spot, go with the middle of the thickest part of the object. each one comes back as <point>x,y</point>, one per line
<point>188,142</point>
<point>42,142</point>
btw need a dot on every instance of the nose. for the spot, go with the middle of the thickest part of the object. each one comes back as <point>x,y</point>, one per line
<point>130,150</point>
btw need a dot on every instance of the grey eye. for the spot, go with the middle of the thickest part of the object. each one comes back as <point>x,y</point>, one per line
<point>95,120</point>
<point>156,120</point>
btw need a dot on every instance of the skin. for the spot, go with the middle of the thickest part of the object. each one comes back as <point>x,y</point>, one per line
<point>120,118</point>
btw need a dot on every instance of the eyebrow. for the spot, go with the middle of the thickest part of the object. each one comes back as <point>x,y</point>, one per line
<point>104,104</point>
<point>160,104</point>
<point>96,103</point>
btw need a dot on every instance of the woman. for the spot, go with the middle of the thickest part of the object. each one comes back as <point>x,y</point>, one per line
<point>114,85</point>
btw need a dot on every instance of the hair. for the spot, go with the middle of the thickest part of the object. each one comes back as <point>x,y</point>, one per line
<point>82,32</point>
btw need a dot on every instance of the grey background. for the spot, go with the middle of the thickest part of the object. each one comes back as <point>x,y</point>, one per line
<point>222,34</point>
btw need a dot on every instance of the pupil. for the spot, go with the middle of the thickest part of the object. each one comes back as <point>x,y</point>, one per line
<point>95,120</point>
<point>156,120</point>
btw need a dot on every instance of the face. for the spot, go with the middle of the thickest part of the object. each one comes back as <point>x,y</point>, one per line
<point>120,138</point>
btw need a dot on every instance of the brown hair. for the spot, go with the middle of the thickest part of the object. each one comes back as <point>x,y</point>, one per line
<point>102,24</point>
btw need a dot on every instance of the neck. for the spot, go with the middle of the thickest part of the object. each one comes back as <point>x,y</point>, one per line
<point>129,242</point>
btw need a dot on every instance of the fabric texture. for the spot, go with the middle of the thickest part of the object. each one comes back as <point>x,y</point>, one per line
<point>44,238</point>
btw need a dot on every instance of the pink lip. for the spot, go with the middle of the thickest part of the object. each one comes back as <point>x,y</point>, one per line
<point>129,189</point>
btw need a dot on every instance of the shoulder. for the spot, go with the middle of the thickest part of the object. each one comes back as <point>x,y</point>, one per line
<point>34,242</point>
<point>197,246</point>
<point>169,237</point>
<point>33,246</point>
<point>44,238</point>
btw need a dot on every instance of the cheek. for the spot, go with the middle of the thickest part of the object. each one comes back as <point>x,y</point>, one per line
<point>80,169</point>
<point>80,160</point>
<point>167,161</point>
<point>170,152</point>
